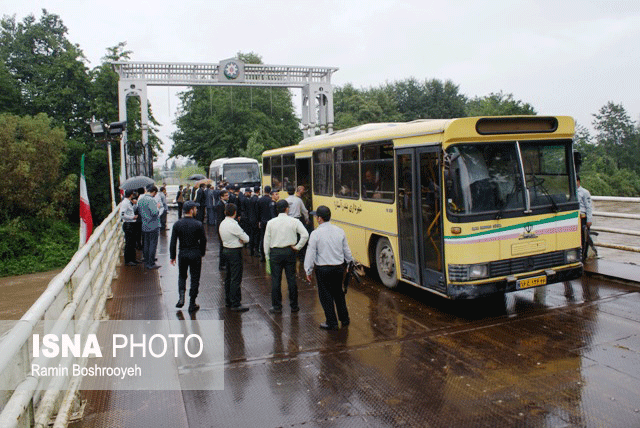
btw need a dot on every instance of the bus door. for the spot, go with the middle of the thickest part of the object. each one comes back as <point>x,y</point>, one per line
<point>420,216</point>
<point>303,178</point>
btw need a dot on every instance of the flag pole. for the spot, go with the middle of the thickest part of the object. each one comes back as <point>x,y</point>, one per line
<point>86,222</point>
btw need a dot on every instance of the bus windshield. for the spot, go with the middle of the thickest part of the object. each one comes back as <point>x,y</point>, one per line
<point>240,173</point>
<point>487,178</point>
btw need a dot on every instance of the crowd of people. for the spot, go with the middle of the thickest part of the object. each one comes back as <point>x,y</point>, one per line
<point>276,231</point>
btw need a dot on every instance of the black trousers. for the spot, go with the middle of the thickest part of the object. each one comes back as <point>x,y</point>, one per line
<point>130,237</point>
<point>190,261</point>
<point>138,236</point>
<point>262,228</point>
<point>254,239</point>
<point>233,263</point>
<point>180,205</point>
<point>163,220</point>
<point>221,263</point>
<point>329,279</point>
<point>283,259</point>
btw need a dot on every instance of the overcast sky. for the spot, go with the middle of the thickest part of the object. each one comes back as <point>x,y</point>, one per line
<point>565,57</point>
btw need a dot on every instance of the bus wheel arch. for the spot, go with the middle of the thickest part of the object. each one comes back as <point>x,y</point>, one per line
<point>384,261</point>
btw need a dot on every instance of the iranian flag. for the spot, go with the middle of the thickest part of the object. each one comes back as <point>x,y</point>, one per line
<point>86,223</point>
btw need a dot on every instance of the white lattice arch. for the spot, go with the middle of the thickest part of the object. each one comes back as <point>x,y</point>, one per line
<point>315,82</point>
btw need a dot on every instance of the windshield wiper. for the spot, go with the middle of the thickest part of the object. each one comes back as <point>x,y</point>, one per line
<point>537,182</point>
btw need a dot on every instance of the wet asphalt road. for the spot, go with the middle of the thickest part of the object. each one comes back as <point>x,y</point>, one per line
<point>564,355</point>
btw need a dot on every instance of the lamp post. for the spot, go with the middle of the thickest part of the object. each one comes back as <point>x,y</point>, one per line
<point>110,131</point>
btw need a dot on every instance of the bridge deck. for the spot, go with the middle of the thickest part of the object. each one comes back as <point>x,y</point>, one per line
<point>405,360</point>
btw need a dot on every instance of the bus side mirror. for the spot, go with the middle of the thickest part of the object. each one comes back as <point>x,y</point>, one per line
<point>577,160</point>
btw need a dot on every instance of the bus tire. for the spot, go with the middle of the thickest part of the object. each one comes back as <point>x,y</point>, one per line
<point>386,263</point>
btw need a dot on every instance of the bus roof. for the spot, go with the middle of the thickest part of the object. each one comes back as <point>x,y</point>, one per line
<point>222,161</point>
<point>468,127</point>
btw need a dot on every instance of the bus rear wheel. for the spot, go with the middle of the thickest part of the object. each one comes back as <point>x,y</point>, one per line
<point>386,263</point>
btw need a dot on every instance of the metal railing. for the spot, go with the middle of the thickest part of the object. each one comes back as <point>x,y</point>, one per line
<point>616,230</point>
<point>70,304</point>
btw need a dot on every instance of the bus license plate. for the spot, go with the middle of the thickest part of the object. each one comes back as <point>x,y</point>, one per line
<point>531,282</point>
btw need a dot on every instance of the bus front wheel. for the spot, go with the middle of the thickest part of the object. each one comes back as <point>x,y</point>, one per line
<point>386,263</point>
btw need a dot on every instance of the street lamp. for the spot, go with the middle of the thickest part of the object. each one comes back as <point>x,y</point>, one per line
<point>110,132</point>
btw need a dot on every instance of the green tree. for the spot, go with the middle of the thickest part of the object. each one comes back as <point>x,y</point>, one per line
<point>354,107</point>
<point>431,99</point>
<point>498,104</point>
<point>618,135</point>
<point>10,97</point>
<point>254,147</point>
<point>216,122</point>
<point>31,154</point>
<point>48,69</point>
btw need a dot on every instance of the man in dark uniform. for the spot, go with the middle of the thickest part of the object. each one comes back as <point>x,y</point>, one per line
<point>253,222</point>
<point>201,201</point>
<point>220,206</point>
<point>264,215</point>
<point>245,211</point>
<point>193,244</point>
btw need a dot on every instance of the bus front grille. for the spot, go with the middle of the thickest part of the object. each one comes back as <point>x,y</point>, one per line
<point>526,264</point>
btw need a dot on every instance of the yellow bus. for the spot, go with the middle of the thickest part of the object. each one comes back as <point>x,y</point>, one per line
<point>461,207</point>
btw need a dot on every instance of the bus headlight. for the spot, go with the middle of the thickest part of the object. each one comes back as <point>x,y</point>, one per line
<point>571,256</point>
<point>478,271</point>
<point>468,272</point>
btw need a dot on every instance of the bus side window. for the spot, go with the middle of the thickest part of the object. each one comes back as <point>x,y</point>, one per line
<point>377,172</point>
<point>276,172</point>
<point>323,172</point>
<point>288,171</point>
<point>346,172</point>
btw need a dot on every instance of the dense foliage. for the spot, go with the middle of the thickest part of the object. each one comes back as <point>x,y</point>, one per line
<point>48,95</point>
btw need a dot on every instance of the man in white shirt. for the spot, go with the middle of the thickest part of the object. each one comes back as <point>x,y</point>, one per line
<point>586,215</point>
<point>328,251</point>
<point>233,239</point>
<point>280,246</point>
<point>128,216</point>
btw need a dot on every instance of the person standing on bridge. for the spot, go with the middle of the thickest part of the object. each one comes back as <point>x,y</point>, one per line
<point>233,239</point>
<point>263,206</point>
<point>150,214</point>
<point>281,243</point>
<point>128,216</point>
<point>210,202</point>
<point>180,201</point>
<point>327,251</point>
<point>586,214</point>
<point>193,245</point>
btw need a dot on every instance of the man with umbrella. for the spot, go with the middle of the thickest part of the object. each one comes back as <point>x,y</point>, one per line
<point>128,216</point>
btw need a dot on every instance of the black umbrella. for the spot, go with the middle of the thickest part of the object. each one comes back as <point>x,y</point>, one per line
<point>134,183</point>
<point>196,177</point>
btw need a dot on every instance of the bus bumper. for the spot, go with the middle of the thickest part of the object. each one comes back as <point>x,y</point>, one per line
<point>473,291</point>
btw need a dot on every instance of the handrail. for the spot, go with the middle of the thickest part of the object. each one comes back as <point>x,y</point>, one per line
<point>628,216</point>
<point>90,270</point>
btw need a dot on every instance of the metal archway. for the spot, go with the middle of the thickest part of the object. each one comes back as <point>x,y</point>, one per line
<point>134,77</point>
